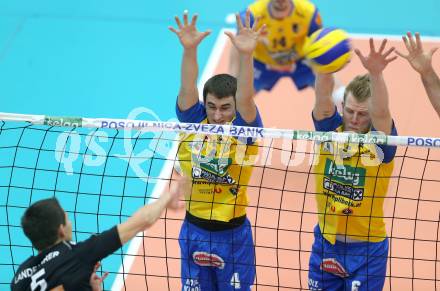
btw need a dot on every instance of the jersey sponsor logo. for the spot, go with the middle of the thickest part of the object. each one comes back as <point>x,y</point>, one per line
<point>208,260</point>
<point>199,173</point>
<point>285,57</point>
<point>217,166</point>
<point>347,191</point>
<point>347,211</point>
<point>214,190</point>
<point>331,265</point>
<point>342,200</point>
<point>346,174</point>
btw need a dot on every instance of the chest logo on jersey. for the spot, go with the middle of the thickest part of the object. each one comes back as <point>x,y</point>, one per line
<point>201,173</point>
<point>345,174</point>
<point>344,180</point>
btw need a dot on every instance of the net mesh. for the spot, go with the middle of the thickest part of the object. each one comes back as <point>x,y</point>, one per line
<point>102,176</point>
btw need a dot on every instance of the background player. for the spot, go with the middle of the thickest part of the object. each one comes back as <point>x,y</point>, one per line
<point>216,238</point>
<point>351,247</point>
<point>278,51</point>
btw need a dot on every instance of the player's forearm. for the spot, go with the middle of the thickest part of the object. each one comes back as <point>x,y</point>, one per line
<point>431,82</point>
<point>188,94</point>
<point>245,79</point>
<point>379,104</point>
<point>245,88</point>
<point>233,62</point>
<point>142,219</point>
<point>324,105</point>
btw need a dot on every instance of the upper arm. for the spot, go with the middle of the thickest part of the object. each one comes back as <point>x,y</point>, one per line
<point>247,110</point>
<point>255,122</point>
<point>324,105</point>
<point>97,247</point>
<point>186,100</point>
<point>388,151</point>
<point>194,114</point>
<point>329,123</point>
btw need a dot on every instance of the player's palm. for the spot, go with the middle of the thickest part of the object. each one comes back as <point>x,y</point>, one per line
<point>417,57</point>
<point>376,61</point>
<point>420,61</point>
<point>246,39</point>
<point>187,32</point>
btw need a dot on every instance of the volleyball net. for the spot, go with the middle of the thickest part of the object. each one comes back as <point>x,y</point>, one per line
<point>102,170</point>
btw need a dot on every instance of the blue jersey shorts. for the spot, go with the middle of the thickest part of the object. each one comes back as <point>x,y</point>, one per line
<point>217,260</point>
<point>265,78</point>
<point>347,266</point>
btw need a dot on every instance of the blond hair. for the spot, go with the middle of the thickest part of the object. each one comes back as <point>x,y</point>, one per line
<point>359,87</point>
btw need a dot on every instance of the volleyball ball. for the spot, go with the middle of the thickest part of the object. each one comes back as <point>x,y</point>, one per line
<point>327,50</point>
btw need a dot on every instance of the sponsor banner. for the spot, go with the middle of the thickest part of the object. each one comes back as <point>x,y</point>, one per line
<point>63,121</point>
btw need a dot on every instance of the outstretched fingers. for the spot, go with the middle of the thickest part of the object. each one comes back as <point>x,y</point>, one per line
<point>239,22</point>
<point>360,55</point>
<point>382,46</point>
<point>194,20</point>
<point>372,47</point>
<point>179,24</point>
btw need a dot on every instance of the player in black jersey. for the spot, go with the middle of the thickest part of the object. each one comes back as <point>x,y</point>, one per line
<point>64,264</point>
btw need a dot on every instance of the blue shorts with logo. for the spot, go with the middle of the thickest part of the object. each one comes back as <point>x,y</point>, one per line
<point>347,266</point>
<point>265,78</point>
<point>217,260</point>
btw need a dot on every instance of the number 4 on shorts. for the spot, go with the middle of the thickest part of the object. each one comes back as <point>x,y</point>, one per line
<point>235,281</point>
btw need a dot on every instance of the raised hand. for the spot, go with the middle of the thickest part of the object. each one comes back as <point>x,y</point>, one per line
<point>420,60</point>
<point>376,61</point>
<point>246,38</point>
<point>177,191</point>
<point>187,32</point>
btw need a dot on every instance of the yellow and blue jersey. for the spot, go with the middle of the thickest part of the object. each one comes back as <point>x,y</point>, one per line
<point>220,168</point>
<point>351,184</point>
<point>282,42</point>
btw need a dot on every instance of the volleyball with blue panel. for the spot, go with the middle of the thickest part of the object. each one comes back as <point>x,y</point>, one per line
<point>328,50</point>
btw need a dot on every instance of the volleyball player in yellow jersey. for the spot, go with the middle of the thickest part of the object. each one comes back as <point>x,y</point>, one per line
<point>351,246</point>
<point>278,52</point>
<point>216,238</point>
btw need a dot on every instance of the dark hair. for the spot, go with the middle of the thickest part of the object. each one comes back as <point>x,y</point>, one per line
<point>221,85</point>
<point>359,88</point>
<point>41,222</point>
